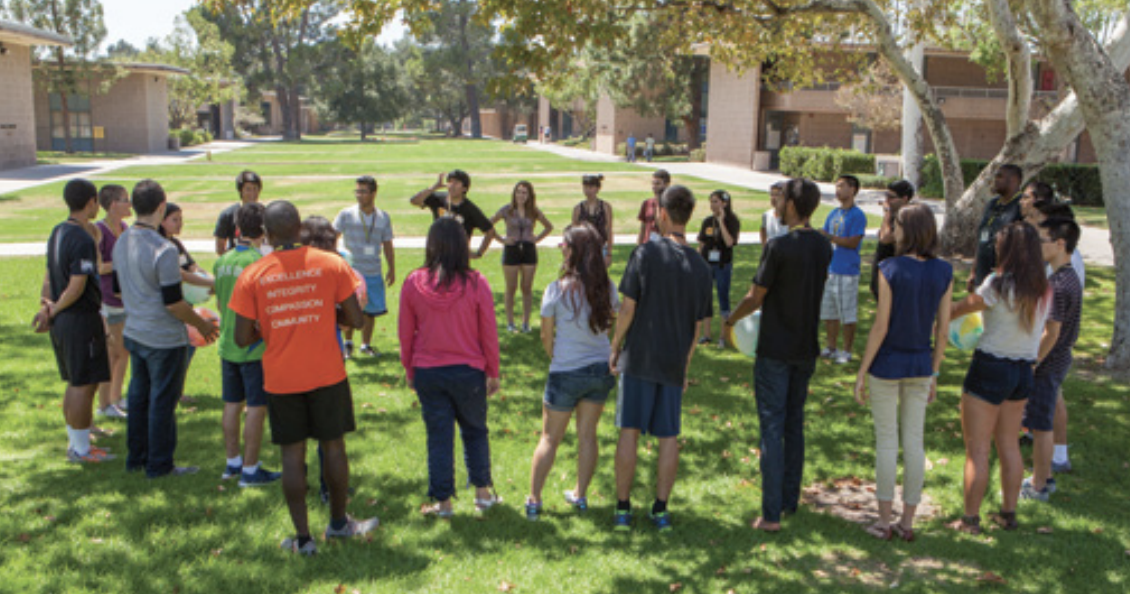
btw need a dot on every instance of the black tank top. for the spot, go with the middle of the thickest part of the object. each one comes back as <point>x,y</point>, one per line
<point>596,220</point>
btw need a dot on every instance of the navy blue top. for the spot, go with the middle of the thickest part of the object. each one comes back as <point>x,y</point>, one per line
<point>917,287</point>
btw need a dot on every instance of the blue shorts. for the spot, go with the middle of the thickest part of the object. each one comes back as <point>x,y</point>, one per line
<point>564,389</point>
<point>996,379</point>
<point>653,408</point>
<point>375,285</point>
<point>1039,412</point>
<point>243,381</point>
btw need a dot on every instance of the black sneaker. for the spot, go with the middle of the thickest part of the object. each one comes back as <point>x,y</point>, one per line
<point>347,350</point>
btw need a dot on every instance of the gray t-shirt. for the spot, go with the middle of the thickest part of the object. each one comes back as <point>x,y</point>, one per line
<point>362,234</point>
<point>144,262</point>
<point>575,345</point>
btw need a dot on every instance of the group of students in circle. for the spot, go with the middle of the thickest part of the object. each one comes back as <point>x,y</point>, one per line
<point>284,307</point>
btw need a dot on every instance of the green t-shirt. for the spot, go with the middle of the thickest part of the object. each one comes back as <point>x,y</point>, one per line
<point>227,270</point>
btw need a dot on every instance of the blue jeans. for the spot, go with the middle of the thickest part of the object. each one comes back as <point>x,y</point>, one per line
<point>722,276</point>
<point>155,387</point>
<point>781,388</point>
<point>450,395</point>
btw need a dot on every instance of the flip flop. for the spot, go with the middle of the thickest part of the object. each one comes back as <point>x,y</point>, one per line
<point>906,534</point>
<point>879,532</point>
<point>436,510</point>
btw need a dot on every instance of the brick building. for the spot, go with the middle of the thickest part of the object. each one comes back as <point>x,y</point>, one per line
<point>17,98</point>
<point>118,107</point>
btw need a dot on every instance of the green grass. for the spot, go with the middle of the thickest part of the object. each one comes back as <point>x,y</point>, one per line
<point>98,529</point>
<point>1092,216</point>
<point>317,175</point>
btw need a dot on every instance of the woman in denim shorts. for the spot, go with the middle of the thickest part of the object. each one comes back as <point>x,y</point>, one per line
<point>1015,300</point>
<point>577,311</point>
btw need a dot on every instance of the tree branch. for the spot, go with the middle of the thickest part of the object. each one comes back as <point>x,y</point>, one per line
<point>1019,65</point>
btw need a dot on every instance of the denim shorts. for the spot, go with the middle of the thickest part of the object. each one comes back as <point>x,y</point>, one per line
<point>997,379</point>
<point>243,381</point>
<point>1039,412</point>
<point>651,407</point>
<point>564,389</point>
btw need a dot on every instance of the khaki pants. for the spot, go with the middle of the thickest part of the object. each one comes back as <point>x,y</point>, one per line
<point>899,407</point>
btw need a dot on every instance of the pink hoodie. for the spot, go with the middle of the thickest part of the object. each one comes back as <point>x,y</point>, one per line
<point>452,326</point>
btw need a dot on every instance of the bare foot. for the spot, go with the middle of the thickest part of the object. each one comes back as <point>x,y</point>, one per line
<point>765,526</point>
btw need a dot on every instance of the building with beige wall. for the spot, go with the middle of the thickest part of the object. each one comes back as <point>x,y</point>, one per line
<point>271,110</point>
<point>119,107</point>
<point>17,96</point>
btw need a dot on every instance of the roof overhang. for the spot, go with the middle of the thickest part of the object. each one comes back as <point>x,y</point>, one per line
<point>22,34</point>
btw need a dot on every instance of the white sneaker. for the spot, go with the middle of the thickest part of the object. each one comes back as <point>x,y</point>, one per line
<point>112,412</point>
<point>828,353</point>
<point>842,357</point>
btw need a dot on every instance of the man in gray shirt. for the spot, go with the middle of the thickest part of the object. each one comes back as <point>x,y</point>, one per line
<point>366,231</point>
<point>147,273</point>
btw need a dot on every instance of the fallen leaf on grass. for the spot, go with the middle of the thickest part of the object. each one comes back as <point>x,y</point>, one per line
<point>217,552</point>
<point>721,571</point>
<point>25,537</point>
<point>676,586</point>
<point>340,589</point>
<point>991,578</point>
<point>366,405</point>
<point>506,586</point>
<point>1097,530</point>
<point>942,461</point>
<point>1044,530</point>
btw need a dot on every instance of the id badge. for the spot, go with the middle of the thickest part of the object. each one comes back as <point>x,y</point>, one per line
<point>710,231</point>
<point>985,236</point>
<point>714,256</point>
<point>369,250</point>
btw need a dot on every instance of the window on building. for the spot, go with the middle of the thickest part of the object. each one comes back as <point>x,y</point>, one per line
<point>265,108</point>
<point>78,112</point>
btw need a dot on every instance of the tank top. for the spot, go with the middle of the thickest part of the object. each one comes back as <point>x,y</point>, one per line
<point>596,220</point>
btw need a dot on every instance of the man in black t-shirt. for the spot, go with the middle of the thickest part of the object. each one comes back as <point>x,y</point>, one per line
<point>898,195</point>
<point>249,185</point>
<point>788,288</point>
<point>1001,212</point>
<point>666,293</point>
<point>70,306</point>
<point>454,203</point>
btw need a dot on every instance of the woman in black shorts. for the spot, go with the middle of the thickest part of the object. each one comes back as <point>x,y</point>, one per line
<point>520,252</point>
<point>595,212</point>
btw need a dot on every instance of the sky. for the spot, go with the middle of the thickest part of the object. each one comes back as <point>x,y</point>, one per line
<point>138,20</point>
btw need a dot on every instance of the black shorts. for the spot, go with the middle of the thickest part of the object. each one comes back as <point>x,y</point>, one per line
<point>79,340</point>
<point>523,253</point>
<point>324,414</point>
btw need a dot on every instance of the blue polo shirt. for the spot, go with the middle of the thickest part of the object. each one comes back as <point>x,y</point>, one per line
<point>846,223</point>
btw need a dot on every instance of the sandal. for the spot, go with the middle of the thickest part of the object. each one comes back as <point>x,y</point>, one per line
<point>436,510</point>
<point>880,532</point>
<point>1006,520</point>
<point>906,534</point>
<point>968,525</point>
<point>485,504</point>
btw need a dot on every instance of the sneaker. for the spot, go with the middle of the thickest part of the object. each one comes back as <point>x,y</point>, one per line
<point>579,503</point>
<point>95,455</point>
<point>112,412</point>
<point>369,351</point>
<point>525,328</point>
<point>662,521</point>
<point>704,340</point>
<point>842,358</point>
<point>533,511</point>
<point>511,328</point>
<point>231,472</point>
<point>352,528</point>
<point>721,343</point>
<point>622,521</point>
<point>1050,485</point>
<point>1027,491</point>
<point>1061,468</point>
<point>828,353</point>
<point>347,350</point>
<point>307,550</point>
<point>260,477</point>
<point>179,471</point>
<point>123,405</point>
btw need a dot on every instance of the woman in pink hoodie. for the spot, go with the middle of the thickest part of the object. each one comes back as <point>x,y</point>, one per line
<point>449,350</point>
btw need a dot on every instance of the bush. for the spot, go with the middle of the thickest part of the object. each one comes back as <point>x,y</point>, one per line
<point>1077,182</point>
<point>932,175</point>
<point>875,182</point>
<point>187,137</point>
<point>698,155</point>
<point>824,164</point>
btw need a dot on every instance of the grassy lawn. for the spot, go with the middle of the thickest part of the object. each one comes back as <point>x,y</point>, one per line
<point>97,529</point>
<point>1092,216</point>
<point>317,175</point>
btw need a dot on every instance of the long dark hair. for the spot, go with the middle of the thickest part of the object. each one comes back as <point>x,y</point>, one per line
<point>728,217</point>
<point>531,200</point>
<point>1020,264</point>
<point>584,271</point>
<point>447,257</point>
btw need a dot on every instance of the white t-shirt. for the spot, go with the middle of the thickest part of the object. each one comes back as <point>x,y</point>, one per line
<point>772,225</point>
<point>1005,334</point>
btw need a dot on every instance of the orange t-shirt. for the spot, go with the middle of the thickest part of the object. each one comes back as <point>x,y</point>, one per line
<point>293,295</point>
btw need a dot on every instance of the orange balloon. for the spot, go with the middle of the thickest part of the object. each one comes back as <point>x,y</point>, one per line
<point>194,337</point>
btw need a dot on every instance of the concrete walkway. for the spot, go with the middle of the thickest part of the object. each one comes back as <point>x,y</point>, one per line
<point>1094,244</point>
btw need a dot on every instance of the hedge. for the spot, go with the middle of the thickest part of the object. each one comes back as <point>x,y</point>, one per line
<point>189,137</point>
<point>824,164</point>
<point>875,182</point>
<point>1077,182</point>
<point>662,149</point>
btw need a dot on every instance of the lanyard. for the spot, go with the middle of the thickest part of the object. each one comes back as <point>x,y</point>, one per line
<point>372,224</point>
<point>288,246</point>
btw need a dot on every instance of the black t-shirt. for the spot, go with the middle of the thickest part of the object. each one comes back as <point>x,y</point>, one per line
<point>671,285</point>
<point>997,216</point>
<point>227,225</point>
<point>71,251</point>
<point>793,270</point>
<point>710,239</point>
<point>465,212</point>
<point>882,252</point>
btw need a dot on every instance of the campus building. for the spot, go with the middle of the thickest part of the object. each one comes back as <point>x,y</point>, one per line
<point>271,110</point>
<point>17,96</point>
<point>117,107</point>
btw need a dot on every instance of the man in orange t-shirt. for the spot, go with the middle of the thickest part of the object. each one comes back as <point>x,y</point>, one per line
<point>293,299</point>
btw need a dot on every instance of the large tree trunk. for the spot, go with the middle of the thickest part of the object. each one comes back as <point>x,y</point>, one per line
<point>692,121</point>
<point>295,113</point>
<point>1104,100</point>
<point>912,144</point>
